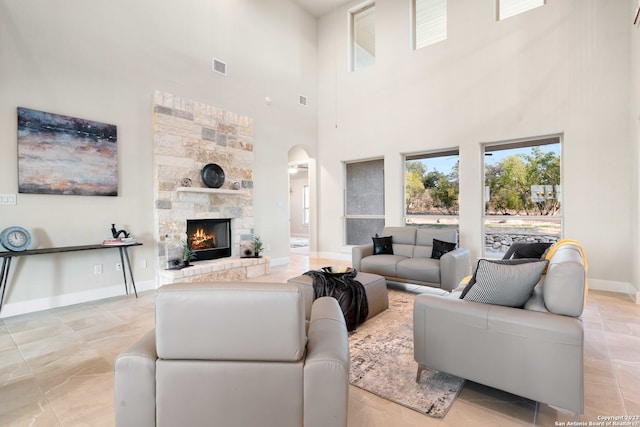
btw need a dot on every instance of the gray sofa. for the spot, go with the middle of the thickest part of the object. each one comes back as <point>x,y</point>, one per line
<point>411,260</point>
<point>535,351</point>
<point>236,355</point>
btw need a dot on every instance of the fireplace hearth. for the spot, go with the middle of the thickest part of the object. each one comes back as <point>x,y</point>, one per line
<point>209,238</point>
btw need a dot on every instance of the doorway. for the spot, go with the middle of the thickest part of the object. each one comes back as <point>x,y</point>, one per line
<point>299,201</point>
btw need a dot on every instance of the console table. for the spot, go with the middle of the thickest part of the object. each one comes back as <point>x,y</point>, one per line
<point>123,249</point>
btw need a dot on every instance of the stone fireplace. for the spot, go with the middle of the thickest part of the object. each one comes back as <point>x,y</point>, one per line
<point>187,136</point>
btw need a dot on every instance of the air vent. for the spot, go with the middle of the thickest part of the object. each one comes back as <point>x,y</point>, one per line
<point>219,66</point>
<point>302,100</point>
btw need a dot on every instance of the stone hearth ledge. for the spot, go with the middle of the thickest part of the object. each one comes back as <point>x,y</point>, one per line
<point>217,270</point>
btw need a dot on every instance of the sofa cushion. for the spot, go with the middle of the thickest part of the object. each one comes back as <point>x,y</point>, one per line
<point>425,236</point>
<point>382,245</point>
<point>440,248</point>
<point>401,235</point>
<point>421,269</point>
<point>500,283</point>
<point>383,265</point>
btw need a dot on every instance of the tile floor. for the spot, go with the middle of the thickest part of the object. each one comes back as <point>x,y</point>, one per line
<point>56,367</point>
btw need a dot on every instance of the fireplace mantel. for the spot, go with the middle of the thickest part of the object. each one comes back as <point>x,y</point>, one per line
<point>210,190</point>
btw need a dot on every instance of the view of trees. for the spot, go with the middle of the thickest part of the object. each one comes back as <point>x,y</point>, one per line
<point>431,192</point>
<point>524,184</point>
<point>519,184</point>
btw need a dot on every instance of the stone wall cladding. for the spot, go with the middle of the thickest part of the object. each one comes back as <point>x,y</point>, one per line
<point>501,242</point>
<point>187,136</point>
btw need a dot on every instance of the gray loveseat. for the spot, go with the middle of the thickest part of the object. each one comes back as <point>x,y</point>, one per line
<point>535,351</point>
<point>411,261</point>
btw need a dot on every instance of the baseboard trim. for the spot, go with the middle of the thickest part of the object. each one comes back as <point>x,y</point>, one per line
<point>40,304</point>
<point>334,255</point>
<point>274,262</point>
<point>617,287</point>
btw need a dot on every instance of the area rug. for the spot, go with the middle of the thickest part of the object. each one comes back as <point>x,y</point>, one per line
<point>382,361</point>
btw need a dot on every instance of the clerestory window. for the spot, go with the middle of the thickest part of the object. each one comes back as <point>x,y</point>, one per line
<point>363,35</point>
<point>429,22</point>
<point>508,8</point>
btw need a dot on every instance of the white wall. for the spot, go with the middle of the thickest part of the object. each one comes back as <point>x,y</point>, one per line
<point>562,68</point>
<point>635,144</point>
<point>102,61</point>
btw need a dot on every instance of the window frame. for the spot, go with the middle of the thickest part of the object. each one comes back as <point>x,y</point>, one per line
<point>360,8</point>
<point>530,142</point>
<point>499,16</point>
<point>435,218</point>
<point>306,205</point>
<point>414,26</point>
<point>347,216</point>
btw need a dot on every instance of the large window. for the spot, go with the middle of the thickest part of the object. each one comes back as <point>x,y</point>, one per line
<point>431,188</point>
<point>522,193</point>
<point>306,205</point>
<point>508,8</point>
<point>429,22</point>
<point>363,35</point>
<point>364,201</point>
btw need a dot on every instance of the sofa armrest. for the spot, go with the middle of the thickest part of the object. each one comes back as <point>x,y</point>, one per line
<point>326,368</point>
<point>454,266</point>
<point>135,383</point>
<point>359,252</point>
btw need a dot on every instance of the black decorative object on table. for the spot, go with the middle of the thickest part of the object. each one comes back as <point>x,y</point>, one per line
<point>116,233</point>
<point>212,175</point>
<point>349,293</point>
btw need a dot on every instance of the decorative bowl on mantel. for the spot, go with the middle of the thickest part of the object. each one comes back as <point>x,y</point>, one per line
<point>212,175</point>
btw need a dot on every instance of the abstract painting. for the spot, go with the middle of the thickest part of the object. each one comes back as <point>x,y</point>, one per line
<point>66,155</point>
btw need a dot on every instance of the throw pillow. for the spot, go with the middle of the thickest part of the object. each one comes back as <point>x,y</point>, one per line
<point>469,281</point>
<point>531,250</point>
<point>504,282</point>
<point>440,248</point>
<point>382,245</point>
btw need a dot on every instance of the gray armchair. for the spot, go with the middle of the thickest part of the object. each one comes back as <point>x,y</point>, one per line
<point>535,351</point>
<point>236,354</point>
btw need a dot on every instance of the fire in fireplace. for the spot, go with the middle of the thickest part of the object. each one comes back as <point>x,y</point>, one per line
<point>209,238</point>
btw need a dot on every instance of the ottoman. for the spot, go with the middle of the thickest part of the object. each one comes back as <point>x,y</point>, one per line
<point>375,287</point>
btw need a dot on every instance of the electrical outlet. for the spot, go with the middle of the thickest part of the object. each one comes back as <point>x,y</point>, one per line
<point>144,263</point>
<point>97,269</point>
<point>118,267</point>
<point>7,199</point>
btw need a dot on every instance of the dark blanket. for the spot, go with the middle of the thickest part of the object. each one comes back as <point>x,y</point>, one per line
<point>346,290</point>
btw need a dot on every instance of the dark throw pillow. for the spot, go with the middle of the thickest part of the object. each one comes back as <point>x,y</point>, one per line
<point>440,248</point>
<point>382,245</point>
<point>504,282</point>
<point>530,250</point>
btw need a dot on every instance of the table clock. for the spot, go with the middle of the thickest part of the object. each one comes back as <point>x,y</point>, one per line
<point>15,238</point>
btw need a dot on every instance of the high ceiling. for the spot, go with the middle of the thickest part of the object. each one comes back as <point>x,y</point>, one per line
<point>320,7</point>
